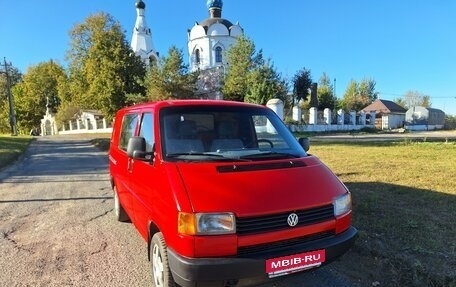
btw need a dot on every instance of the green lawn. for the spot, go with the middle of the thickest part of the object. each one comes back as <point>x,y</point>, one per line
<point>404,207</point>
<point>11,147</point>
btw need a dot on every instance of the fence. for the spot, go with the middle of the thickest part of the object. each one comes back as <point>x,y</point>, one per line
<point>87,125</point>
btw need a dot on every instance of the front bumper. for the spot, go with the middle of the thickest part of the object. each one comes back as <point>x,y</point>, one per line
<point>240,271</point>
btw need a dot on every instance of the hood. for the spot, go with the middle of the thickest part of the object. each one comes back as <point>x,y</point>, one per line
<point>255,188</point>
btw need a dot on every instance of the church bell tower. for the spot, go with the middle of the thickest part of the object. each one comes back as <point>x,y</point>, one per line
<point>141,42</point>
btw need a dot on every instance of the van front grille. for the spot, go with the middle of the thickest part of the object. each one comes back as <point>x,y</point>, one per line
<point>275,222</point>
<point>272,247</point>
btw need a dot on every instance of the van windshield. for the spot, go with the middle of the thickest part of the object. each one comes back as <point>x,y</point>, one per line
<point>219,133</point>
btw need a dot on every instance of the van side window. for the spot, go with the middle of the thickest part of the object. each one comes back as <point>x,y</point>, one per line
<point>147,130</point>
<point>129,123</point>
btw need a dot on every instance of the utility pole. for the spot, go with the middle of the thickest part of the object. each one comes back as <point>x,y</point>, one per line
<point>12,114</point>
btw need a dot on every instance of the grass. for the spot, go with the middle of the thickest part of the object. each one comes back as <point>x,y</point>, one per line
<point>404,208</point>
<point>11,148</point>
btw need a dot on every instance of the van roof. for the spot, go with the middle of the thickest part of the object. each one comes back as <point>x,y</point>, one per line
<point>168,103</point>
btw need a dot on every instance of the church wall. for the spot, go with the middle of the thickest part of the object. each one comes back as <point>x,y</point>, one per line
<point>204,45</point>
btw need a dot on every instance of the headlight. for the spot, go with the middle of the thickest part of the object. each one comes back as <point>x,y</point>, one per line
<point>206,223</point>
<point>342,204</point>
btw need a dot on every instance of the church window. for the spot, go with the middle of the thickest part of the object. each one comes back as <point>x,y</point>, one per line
<point>152,61</point>
<point>197,57</point>
<point>218,54</point>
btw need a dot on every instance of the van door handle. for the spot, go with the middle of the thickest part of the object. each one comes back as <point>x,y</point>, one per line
<point>130,165</point>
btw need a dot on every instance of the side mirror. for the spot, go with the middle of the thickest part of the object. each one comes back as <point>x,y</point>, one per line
<point>136,148</point>
<point>305,143</point>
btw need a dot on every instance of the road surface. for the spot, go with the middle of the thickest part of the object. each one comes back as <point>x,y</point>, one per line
<point>57,224</point>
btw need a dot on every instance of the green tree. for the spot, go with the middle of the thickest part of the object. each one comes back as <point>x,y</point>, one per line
<point>359,95</point>
<point>367,92</point>
<point>242,59</point>
<point>14,77</point>
<point>171,79</point>
<point>250,77</point>
<point>103,68</point>
<point>302,82</point>
<point>265,83</point>
<point>401,102</point>
<point>326,98</point>
<point>39,89</point>
<point>349,100</point>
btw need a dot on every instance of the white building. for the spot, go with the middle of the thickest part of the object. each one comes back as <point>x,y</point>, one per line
<point>420,118</point>
<point>141,41</point>
<point>388,114</point>
<point>208,40</point>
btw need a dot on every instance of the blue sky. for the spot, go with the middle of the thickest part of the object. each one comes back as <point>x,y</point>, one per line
<point>402,45</point>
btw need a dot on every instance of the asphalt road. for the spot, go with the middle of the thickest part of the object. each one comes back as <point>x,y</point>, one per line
<point>57,225</point>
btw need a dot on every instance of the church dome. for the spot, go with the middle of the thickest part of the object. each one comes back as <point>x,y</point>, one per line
<point>214,4</point>
<point>210,21</point>
<point>215,14</point>
<point>140,5</point>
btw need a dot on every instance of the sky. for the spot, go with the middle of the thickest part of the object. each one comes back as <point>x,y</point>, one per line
<point>406,45</point>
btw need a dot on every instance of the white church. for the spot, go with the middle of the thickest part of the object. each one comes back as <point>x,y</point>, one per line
<point>207,42</point>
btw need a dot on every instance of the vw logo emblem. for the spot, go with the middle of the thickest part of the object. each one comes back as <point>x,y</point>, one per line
<point>292,219</point>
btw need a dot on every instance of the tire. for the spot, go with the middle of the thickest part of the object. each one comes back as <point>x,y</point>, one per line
<point>119,211</point>
<point>161,274</point>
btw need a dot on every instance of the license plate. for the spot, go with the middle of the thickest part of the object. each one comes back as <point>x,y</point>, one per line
<point>289,264</point>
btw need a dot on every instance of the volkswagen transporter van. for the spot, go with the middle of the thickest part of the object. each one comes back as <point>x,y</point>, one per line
<point>224,194</point>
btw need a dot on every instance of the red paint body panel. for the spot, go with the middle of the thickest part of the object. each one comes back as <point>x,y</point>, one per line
<point>153,191</point>
<point>253,193</point>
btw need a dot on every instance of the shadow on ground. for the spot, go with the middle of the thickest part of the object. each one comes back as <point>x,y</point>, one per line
<point>406,236</point>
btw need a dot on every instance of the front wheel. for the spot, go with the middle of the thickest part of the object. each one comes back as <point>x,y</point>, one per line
<point>161,273</point>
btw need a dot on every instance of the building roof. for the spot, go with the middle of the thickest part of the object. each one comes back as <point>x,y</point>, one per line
<point>140,5</point>
<point>215,15</point>
<point>93,112</point>
<point>209,21</point>
<point>214,4</point>
<point>385,107</point>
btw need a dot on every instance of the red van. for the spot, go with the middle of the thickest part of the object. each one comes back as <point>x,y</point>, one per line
<point>224,194</point>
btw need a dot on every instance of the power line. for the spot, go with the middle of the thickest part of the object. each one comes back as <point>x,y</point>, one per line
<point>401,95</point>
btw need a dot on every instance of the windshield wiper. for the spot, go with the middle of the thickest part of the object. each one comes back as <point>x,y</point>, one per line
<point>203,156</point>
<point>270,154</point>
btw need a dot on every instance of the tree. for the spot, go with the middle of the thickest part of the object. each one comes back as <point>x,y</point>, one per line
<point>367,91</point>
<point>250,77</point>
<point>265,83</point>
<point>359,95</point>
<point>302,82</point>
<point>450,122</point>
<point>326,98</point>
<point>103,68</point>
<point>242,58</point>
<point>14,77</point>
<point>39,89</point>
<point>414,98</point>
<point>171,79</point>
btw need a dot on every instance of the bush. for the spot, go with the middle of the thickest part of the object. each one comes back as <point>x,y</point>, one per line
<point>450,122</point>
